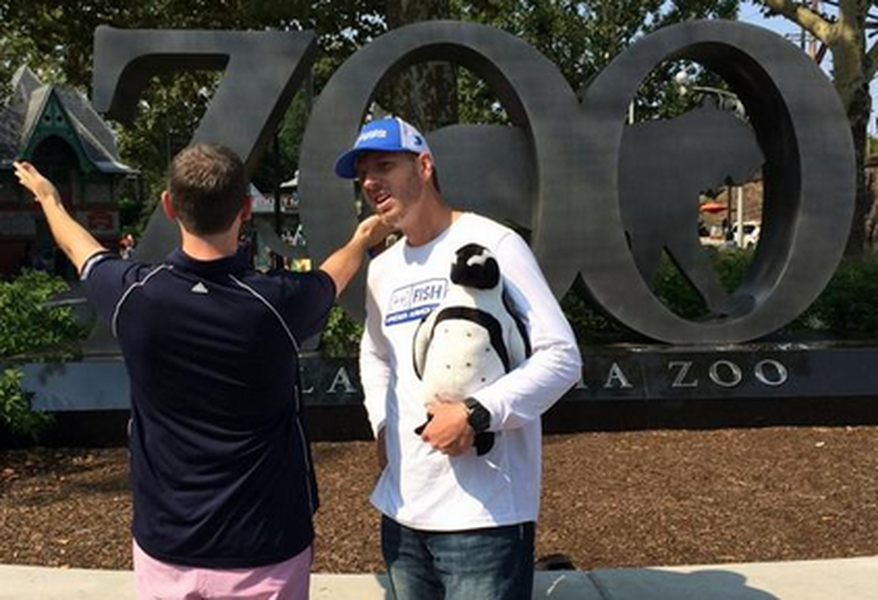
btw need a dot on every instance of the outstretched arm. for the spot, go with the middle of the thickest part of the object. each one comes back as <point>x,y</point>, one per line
<point>73,239</point>
<point>344,263</point>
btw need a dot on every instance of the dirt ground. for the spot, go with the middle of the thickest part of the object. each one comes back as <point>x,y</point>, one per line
<point>609,500</point>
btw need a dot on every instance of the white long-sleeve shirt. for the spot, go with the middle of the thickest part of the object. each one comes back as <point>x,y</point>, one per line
<point>421,487</point>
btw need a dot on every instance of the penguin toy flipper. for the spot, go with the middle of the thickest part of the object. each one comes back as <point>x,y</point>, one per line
<point>519,350</point>
<point>421,343</point>
<point>519,340</point>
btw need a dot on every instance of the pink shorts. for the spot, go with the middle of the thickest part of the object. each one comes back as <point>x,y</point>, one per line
<point>157,580</point>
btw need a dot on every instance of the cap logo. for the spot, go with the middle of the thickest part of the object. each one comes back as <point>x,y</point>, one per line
<point>371,135</point>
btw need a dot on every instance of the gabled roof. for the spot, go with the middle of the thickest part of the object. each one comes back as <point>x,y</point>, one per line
<point>10,134</point>
<point>25,81</point>
<point>20,123</point>
<point>33,110</point>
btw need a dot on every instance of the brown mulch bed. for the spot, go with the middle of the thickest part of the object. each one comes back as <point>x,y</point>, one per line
<point>609,500</point>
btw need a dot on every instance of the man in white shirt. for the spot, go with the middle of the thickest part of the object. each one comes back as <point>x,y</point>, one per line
<point>455,525</point>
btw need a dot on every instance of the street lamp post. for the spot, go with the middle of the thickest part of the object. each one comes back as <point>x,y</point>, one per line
<point>725,99</point>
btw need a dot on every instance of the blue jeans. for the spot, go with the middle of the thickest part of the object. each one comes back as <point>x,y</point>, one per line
<point>479,564</point>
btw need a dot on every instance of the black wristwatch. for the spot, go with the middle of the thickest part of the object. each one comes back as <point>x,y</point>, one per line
<point>478,416</point>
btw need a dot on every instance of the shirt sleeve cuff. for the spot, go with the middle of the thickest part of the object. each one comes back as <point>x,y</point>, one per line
<point>93,260</point>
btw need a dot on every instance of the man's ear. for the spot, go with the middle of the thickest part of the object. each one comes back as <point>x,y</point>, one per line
<point>246,208</point>
<point>426,164</point>
<point>167,206</point>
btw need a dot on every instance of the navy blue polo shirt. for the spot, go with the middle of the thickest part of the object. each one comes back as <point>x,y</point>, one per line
<point>220,466</point>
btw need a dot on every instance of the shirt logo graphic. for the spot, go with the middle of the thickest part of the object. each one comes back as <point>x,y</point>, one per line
<point>199,288</point>
<point>412,302</point>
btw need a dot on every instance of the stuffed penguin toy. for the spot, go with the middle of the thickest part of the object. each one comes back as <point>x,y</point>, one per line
<point>471,339</point>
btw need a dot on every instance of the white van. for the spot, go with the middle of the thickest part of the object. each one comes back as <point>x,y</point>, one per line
<point>751,234</point>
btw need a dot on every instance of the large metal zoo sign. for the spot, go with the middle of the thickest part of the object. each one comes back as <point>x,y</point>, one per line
<point>600,198</point>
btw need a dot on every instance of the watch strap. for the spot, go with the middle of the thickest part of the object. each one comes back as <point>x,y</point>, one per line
<point>478,416</point>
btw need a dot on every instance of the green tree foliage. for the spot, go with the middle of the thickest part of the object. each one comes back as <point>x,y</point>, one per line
<point>581,38</point>
<point>59,35</point>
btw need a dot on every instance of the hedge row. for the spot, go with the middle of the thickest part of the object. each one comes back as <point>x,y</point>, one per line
<point>31,331</point>
<point>847,309</point>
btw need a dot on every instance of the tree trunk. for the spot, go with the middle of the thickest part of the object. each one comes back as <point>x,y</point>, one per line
<point>846,37</point>
<point>849,76</point>
<point>858,114</point>
<point>425,94</point>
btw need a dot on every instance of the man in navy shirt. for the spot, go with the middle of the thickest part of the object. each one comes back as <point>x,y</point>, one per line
<point>221,474</point>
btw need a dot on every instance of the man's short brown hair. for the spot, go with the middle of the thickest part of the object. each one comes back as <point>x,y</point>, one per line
<point>207,186</point>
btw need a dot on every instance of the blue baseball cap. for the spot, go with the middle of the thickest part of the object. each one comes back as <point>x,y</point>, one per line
<point>383,135</point>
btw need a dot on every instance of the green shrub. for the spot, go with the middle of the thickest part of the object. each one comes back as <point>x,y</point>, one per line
<point>675,291</point>
<point>589,322</point>
<point>31,331</point>
<point>341,337</point>
<point>30,328</point>
<point>16,415</point>
<point>848,307</point>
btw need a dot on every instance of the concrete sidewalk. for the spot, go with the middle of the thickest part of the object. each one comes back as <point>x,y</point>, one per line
<point>842,579</point>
